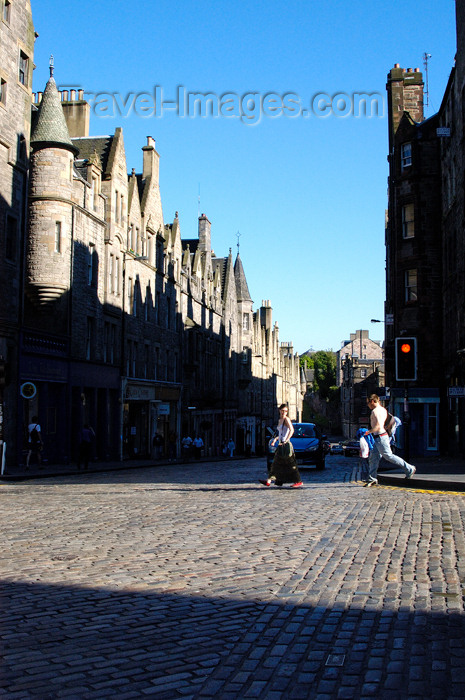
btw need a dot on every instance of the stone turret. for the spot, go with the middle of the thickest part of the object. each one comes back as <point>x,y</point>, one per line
<point>405,94</point>
<point>49,235</point>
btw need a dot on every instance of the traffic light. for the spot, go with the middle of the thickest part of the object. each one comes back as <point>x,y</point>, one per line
<point>406,359</point>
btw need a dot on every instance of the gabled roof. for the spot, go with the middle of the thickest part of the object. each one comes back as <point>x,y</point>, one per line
<point>90,146</point>
<point>242,288</point>
<point>50,127</point>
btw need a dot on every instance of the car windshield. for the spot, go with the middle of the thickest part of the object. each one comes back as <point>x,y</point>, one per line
<point>304,431</point>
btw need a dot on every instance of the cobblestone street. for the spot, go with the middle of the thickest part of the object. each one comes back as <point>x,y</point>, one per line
<point>194,581</point>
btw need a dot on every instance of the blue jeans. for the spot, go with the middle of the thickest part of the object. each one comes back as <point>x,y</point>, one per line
<point>382,448</point>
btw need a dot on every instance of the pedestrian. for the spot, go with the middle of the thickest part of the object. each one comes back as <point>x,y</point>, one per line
<point>284,467</point>
<point>366,445</point>
<point>382,446</point>
<point>157,443</point>
<point>34,439</point>
<point>186,445</point>
<point>172,447</point>
<point>198,444</point>
<point>85,445</point>
<point>231,447</point>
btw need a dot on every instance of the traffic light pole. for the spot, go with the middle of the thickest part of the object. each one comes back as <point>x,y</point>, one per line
<point>406,426</point>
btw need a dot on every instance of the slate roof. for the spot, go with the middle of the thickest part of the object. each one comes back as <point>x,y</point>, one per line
<point>88,146</point>
<point>242,288</point>
<point>50,124</point>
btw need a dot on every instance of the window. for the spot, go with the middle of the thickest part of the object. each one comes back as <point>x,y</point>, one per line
<point>89,338</point>
<point>122,209</point>
<point>116,286</point>
<point>156,360</point>
<point>135,351</point>
<point>130,294</point>
<point>432,425</point>
<point>135,298</point>
<point>411,285</point>
<point>110,273</point>
<point>57,236</point>
<point>363,373</point>
<point>146,361</point>
<point>116,206</point>
<point>23,75</point>
<point>406,155</point>
<point>90,265</point>
<point>245,322</point>
<point>94,193</point>
<point>11,243</point>
<point>106,341</point>
<point>2,91</point>
<point>7,11</point>
<point>408,221</point>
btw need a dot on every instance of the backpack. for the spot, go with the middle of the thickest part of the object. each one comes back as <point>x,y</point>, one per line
<point>35,436</point>
<point>390,424</point>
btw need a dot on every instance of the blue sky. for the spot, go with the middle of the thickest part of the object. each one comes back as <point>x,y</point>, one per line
<point>307,193</point>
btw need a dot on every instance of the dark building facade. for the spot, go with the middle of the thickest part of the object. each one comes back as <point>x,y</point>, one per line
<point>425,253</point>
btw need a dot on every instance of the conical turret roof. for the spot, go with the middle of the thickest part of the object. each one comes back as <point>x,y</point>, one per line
<point>50,128</point>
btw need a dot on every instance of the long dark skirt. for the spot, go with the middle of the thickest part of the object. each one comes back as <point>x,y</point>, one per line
<point>284,467</point>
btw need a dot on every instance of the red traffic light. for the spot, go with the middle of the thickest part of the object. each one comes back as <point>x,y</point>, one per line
<point>406,359</point>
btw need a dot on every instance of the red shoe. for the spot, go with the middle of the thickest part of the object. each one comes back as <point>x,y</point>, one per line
<point>264,482</point>
<point>297,485</point>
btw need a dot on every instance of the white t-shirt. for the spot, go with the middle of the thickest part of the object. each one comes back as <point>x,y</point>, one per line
<point>364,448</point>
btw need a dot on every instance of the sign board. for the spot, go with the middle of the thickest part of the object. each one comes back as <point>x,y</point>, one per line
<point>389,319</point>
<point>443,131</point>
<point>28,390</point>
<point>456,391</point>
<point>163,409</point>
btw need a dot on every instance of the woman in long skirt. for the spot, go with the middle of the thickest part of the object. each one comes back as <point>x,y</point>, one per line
<point>284,468</point>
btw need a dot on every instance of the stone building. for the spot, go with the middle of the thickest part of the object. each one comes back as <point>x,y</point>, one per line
<point>359,373</point>
<point>120,322</point>
<point>452,187</point>
<point>414,282</point>
<point>425,244</point>
<point>16,65</point>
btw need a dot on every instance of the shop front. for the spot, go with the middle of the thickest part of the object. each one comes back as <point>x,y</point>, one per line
<point>149,409</point>
<point>418,409</point>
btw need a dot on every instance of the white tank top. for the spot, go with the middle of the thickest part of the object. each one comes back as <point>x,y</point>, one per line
<point>283,432</point>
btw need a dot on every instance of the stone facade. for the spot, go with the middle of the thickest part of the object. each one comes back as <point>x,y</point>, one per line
<point>16,65</point>
<point>126,325</point>
<point>425,245</point>
<point>359,373</point>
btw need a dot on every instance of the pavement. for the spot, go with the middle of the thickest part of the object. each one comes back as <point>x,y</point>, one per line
<point>194,581</point>
<point>437,473</point>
